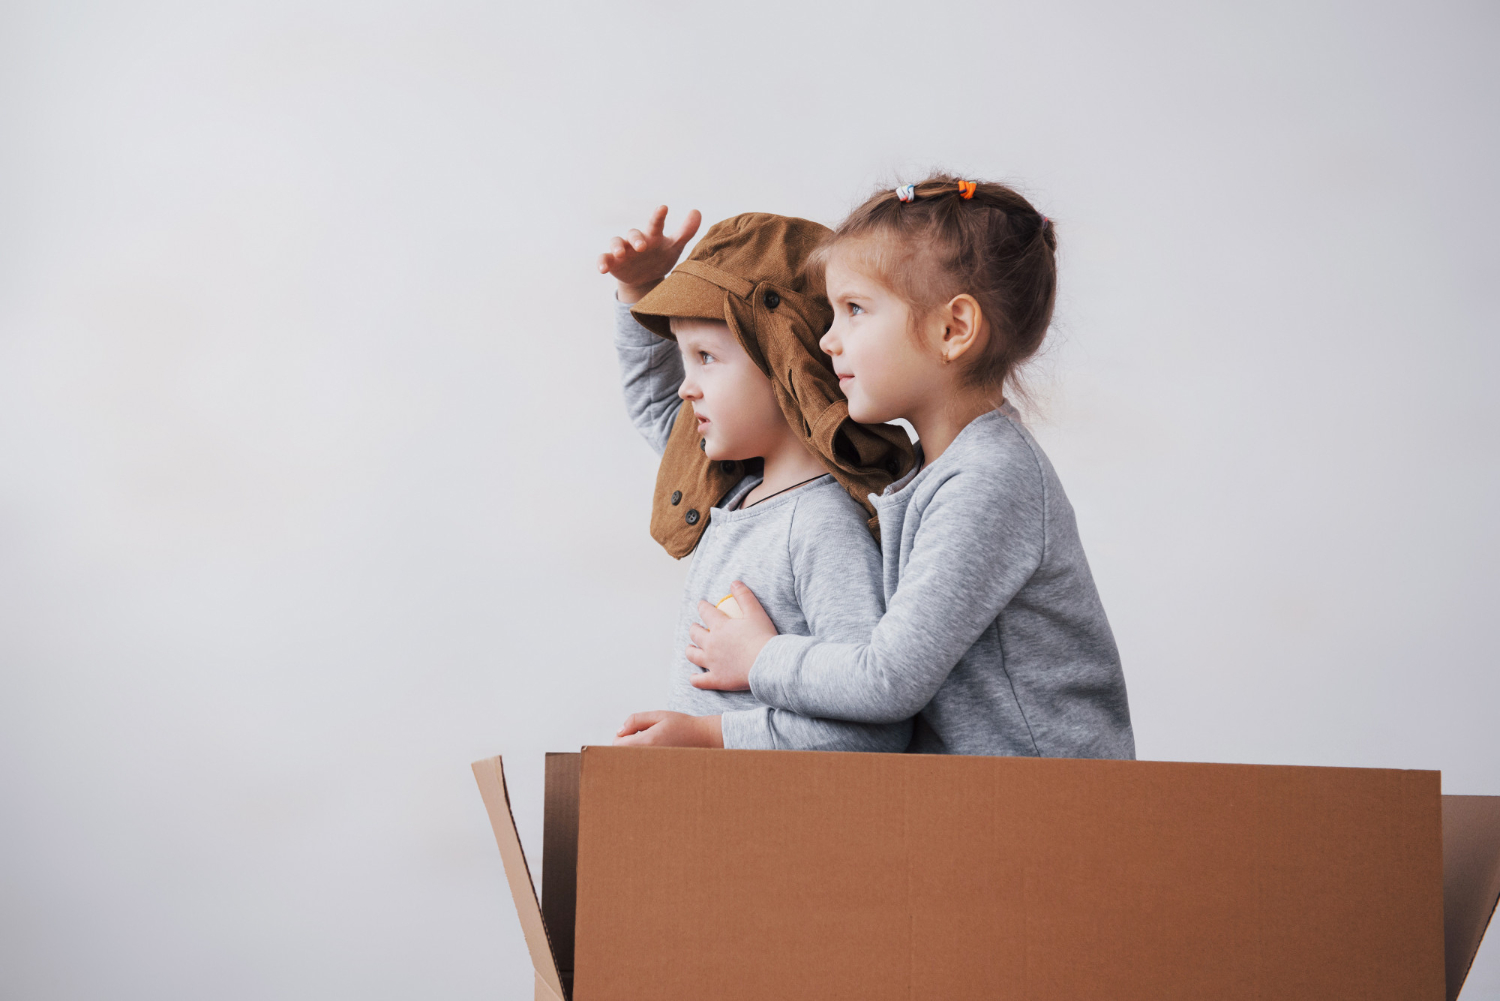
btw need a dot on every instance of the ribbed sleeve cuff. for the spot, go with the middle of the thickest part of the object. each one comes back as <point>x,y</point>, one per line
<point>748,730</point>
<point>773,675</point>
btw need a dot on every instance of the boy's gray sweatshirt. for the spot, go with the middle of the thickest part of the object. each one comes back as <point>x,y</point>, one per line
<point>993,632</point>
<point>806,554</point>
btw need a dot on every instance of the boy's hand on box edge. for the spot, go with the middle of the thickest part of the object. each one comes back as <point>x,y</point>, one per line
<point>726,648</point>
<point>640,260</point>
<point>668,729</point>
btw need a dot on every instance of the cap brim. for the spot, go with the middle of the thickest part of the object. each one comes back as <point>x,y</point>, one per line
<point>683,296</point>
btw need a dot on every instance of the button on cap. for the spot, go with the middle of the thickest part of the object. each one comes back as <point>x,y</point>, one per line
<point>727,465</point>
<point>772,300</point>
<point>676,496</point>
<point>692,516</point>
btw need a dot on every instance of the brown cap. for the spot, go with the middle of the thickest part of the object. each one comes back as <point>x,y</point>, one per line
<point>682,295</point>
<point>751,272</point>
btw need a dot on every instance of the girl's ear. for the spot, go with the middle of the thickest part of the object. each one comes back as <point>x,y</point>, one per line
<point>963,328</point>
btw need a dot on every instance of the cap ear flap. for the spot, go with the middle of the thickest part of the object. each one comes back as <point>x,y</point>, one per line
<point>743,320</point>
<point>808,320</point>
<point>865,458</point>
<point>696,481</point>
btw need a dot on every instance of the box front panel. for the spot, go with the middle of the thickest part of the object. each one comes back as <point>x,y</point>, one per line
<point>739,875</point>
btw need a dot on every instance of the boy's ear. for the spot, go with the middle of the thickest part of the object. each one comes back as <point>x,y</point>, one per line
<point>963,327</point>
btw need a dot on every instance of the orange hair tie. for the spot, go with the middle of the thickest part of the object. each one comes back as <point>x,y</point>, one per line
<point>966,189</point>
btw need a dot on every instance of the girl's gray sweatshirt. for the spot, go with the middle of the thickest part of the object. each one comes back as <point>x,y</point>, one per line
<point>806,555</point>
<point>993,632</point>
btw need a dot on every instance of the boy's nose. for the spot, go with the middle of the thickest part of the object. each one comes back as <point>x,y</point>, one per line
<point>829,343</point>
<point>688,391</point>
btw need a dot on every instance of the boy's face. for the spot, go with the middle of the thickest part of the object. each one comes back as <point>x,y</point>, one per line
<point>882,368</point>
<point>738,416</point>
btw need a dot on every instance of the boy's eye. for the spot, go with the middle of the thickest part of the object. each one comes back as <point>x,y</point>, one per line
<point>855,309</point>
<point>705,357</point>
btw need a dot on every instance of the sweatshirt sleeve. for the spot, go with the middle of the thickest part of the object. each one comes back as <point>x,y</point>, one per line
<point>767,729</point>
<point>981,537</point>
<point>837,578</point>
<point>650,374</point>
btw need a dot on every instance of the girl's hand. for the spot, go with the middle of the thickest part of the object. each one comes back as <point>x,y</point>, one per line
<point>664,729</point>
<point>640,260</point>
<point>727,648</point>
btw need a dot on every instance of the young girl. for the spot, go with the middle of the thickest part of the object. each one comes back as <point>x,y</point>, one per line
<point>993,634</point>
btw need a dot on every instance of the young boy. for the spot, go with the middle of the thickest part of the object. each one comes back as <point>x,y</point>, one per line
<point>761,466</point>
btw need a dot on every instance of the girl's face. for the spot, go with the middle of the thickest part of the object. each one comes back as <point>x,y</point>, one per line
<point>738,416</point>
<point>885,368</point>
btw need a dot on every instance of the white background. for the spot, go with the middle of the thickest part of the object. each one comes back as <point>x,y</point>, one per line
<point>315,485</point>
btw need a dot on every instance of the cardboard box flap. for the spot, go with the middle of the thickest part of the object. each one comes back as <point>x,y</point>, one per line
<point>490,775</point>
<point>1471,879</point>
<point>560,859</point>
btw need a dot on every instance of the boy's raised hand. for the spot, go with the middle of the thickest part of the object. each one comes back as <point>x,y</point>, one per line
<point>640,260</point>
<point>726,648</point>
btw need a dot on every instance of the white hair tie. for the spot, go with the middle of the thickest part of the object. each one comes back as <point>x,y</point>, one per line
<point>907,192</point>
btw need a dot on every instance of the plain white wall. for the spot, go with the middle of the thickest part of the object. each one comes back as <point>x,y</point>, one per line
<point>315,486</point>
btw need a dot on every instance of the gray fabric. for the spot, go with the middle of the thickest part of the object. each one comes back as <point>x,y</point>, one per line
<point>993,634</point>
<point>806,554</point>
<point>651,373</point>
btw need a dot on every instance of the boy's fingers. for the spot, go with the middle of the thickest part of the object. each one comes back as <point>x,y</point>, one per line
<point>636,239</point>
<point>640,728</point>
<point>634,722</point>
<point>697,634</point>
<point>696,656</point>
<point>711,615</point>
<point>658,220</point>
<point>689,227</point>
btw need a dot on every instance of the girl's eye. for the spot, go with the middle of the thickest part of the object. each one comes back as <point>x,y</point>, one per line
<point>855,309</point>
<point>705,357</point>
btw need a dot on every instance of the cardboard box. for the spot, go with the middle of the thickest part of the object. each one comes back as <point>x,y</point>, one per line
<point>688,874</point>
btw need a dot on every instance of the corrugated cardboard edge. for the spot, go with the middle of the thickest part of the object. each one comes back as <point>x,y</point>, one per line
<point>559,889</point>
<point>490,774</point>
<point>1471,879</point>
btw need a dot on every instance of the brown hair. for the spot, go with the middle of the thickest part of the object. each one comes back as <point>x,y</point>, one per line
<point>992,245</point>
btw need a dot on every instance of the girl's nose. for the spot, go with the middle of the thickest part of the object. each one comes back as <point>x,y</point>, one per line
<point>829,343</point>
<point>688,391</point>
